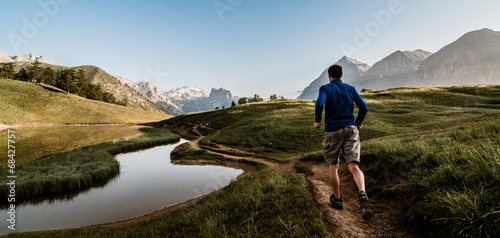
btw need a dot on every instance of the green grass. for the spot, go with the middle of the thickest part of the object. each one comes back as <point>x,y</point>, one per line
<point>78,169</point>
<point>452,176</point>
<point>435,146</point>
<point>23,103</point>
<point>184,152</point>
<point>269,203</point>
<point>275,130</point>
<point>35,142</point>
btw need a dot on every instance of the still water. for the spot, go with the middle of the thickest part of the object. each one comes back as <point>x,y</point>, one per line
<point>147,182</point>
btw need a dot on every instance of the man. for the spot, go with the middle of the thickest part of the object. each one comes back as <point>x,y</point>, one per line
<point>341,133</point>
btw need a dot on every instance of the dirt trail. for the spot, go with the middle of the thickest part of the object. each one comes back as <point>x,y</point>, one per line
<point>342,223</point>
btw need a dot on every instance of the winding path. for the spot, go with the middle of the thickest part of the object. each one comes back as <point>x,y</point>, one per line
<point>345,223</point>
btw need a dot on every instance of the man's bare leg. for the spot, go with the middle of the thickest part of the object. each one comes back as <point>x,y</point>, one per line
<point>358,176</point>
<point>334,179</point>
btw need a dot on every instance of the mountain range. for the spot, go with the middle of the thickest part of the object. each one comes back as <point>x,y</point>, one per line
<point>142,95</point>
<point>183,100</point>
<point>5,58</point>
<point>472,59</point>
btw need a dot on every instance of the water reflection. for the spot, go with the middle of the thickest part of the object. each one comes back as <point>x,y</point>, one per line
<point>147,182</point>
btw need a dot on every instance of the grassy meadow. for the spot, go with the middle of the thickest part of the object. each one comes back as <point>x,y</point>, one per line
<point>23,103</point>
<point>35,142</point>
<point>438,147</point>
<point>435,149</point>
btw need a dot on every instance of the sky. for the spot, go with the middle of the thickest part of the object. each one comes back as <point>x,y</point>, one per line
<point>249,47</point>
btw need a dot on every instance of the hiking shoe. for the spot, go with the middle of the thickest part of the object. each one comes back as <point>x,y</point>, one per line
<point>336,203</point>
<point>366,211</point>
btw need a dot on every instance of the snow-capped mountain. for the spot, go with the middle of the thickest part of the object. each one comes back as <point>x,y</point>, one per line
<point>193,99</point>
<point>182,100</point>
<point>186,93</point>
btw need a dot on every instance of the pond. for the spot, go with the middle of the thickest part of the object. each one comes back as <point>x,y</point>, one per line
<point>147,182</point>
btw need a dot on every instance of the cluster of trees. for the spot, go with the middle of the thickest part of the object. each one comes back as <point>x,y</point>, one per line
<point>256,98</point>
<point>69,80</point>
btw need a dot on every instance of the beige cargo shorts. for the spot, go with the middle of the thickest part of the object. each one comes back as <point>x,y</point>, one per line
<point>345,139</point>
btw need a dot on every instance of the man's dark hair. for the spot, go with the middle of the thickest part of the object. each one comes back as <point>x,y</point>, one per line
<point>335,71</point>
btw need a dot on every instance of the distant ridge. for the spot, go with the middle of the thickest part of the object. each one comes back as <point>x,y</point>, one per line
<point>474,58</point>
<point>6,58</point>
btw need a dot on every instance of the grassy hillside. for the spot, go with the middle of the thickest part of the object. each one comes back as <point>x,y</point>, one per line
<point>435,149</point>
<point>282,130</point>
<point>109,84</point>
<point>23,103</point>
<point>435,146</point>
<point>121,91</point>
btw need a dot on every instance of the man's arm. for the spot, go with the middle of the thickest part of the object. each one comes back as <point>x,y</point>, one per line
<point>319,107</point>
<point>363,108</point>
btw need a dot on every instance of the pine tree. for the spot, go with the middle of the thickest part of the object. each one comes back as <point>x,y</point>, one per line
<point>65,81</point>
<point>82,83</point>
<point>8,71</point>
<point>35,72</point>
<point>49,76</point>
<point>22,75</point>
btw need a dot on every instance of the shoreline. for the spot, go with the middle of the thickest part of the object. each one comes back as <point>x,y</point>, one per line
<point>247,170</point>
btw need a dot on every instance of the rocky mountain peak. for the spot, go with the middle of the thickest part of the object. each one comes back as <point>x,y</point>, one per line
<point>157,96</point>
<point>220,94</point>
<point>41,59</point>
<point>398,62</point>
<point>5,58</point>
<point>350,62</point>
